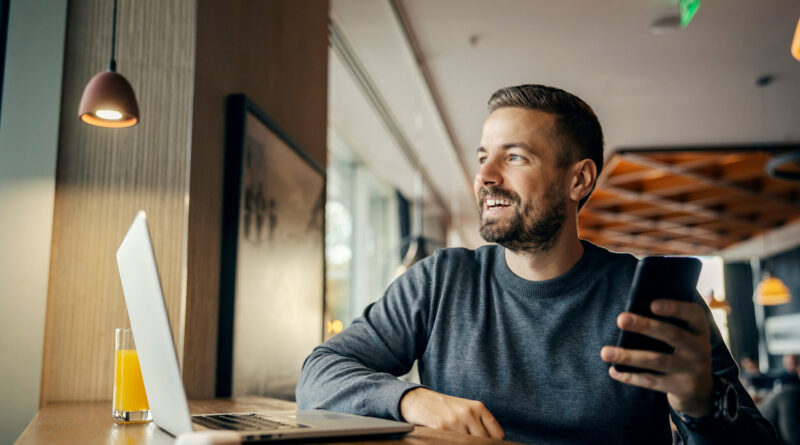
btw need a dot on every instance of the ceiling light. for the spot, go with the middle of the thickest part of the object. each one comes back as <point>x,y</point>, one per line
<point>716,304</point>
<point>666,24</point>
<point>672,22</point>
<point>108,99</point>
<point>796,42</point>
<point>785,166</point>
<point>771,292</point>
<point>764,80</point>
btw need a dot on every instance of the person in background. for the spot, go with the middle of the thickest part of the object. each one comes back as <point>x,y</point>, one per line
<point>748,371</point>
<point>757,384</point>
<point>782,407</point>
<point>791,367</point>
<point>749,367</point>
<point>514,339</point>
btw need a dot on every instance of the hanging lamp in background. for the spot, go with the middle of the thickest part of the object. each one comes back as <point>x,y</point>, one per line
<point>771,292</point>
<point>713,303</point>
<point>796,42</point>
<point>108,99</point>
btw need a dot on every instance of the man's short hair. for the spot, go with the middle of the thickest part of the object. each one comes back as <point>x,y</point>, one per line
<point>578,131</point>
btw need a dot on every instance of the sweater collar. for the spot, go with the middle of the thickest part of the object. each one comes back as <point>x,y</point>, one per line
<point>577,275</point>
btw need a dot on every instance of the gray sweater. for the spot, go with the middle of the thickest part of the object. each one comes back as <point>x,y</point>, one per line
<point>529,350</point>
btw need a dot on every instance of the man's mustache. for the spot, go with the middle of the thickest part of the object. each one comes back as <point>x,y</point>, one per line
<point>498,193</point>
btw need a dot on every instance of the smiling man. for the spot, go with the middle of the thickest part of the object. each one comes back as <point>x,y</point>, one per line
<point>513,339</point>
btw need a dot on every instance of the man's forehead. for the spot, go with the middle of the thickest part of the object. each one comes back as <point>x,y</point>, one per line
<point>516,123</point>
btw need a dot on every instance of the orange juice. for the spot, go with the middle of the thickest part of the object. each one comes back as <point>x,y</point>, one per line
<point>129,394</point>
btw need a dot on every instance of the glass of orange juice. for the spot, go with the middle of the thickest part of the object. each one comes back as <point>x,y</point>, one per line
<point>130,400</point>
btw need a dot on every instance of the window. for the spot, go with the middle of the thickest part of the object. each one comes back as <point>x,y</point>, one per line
<point>711,286</point>
<point>362,238</point>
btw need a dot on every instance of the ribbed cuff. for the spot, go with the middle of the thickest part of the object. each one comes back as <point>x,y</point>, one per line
<point>386,402</point>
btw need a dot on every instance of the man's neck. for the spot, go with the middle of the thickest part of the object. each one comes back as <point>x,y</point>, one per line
<point>539,266</point>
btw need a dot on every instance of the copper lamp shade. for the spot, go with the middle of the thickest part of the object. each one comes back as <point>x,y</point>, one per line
<point>109,101</point>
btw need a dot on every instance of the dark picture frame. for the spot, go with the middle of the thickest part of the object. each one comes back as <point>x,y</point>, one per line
<point>272,277</point>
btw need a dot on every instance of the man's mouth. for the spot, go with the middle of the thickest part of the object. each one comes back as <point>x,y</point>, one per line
<point>497,204</point>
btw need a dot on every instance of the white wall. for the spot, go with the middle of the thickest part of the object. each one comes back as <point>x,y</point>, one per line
<point>771,243</point>
<point>28,145</point>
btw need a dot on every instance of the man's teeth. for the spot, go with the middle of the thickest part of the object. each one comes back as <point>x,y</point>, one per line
<point>498,202</point>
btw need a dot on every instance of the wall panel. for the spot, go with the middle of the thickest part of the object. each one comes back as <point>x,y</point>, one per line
<point>275,52</point>
<point>105,175</point>
<point>183,57</point>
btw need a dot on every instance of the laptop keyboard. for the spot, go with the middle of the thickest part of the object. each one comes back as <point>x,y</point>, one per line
<point>242,422</point>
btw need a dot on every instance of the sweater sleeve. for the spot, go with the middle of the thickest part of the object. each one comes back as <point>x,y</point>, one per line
<point>750,426</point>
<point>356,370</point>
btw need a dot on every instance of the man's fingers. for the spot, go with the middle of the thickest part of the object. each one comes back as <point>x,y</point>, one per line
<point>473,416</point>
<point>476,428</point>
<point>654,361</point>
<point>480,422</point>
<point>422,406</point>
<point>672,385</point>
<point>492,426</point>
<point>660,330</point>
<point>692,313</point>
<point>640,379</point>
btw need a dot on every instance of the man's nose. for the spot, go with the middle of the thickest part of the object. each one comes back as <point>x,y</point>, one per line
<point>489,174</point>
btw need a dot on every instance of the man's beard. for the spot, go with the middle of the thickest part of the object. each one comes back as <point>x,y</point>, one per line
<point>534,227</point>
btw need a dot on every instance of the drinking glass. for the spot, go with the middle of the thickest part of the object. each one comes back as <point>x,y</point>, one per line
<point>130,399</point>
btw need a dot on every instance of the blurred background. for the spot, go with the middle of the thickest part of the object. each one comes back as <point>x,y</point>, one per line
<point>699,103</point>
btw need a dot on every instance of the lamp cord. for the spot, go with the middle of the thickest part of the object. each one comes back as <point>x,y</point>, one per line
<point>112,64</point>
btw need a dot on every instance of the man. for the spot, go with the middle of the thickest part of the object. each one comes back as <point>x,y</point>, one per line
<point>513,339</point>
<point>782,406</point>
<point>791,366</point>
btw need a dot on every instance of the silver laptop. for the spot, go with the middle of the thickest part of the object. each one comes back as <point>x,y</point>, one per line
<point>162,377</point>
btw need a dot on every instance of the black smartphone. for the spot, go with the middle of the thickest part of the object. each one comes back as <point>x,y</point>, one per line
<point>658,277</point>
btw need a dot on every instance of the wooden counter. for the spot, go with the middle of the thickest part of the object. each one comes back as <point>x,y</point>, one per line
<point>91,423</point>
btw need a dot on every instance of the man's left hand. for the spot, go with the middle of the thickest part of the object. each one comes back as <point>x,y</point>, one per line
<point>687,377</point>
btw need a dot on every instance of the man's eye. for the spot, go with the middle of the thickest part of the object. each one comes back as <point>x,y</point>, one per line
<point>482,160</point>
<point>514,157</point>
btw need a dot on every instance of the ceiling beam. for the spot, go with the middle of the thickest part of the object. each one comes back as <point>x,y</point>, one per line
<point>664,226</point>
<point>706,161</point>
<point>646,243</point>
<point>342,47</point>
<point>411,38</point>
<point>686,207</point>
<point>685,173</point>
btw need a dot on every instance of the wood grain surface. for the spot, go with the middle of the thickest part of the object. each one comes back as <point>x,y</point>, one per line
<point>182,58</point>
<point>85,423</point>
<point>276,53</point>
<point>105,175</point>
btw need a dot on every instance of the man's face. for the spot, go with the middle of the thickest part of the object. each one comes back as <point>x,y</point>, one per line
<point>519,186</point>
<point>750,366</point>
<point>791,364</point>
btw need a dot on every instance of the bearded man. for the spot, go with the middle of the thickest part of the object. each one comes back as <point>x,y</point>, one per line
<point>513,339</point>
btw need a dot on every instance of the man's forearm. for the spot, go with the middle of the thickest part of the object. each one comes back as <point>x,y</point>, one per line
<point>355,371</point>
<point>332,381</point>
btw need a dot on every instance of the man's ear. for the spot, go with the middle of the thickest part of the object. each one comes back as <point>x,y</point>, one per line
<point>584,175</point>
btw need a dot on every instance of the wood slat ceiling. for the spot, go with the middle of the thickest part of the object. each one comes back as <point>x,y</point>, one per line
<point>687,202</point>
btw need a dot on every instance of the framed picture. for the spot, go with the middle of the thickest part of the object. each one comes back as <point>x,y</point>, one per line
<point>272,279</point>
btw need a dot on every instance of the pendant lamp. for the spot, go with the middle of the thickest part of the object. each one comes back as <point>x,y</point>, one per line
<point>713,303</point>
<point>796,42</point>
<point>771,292</point>
<point>108,99</point>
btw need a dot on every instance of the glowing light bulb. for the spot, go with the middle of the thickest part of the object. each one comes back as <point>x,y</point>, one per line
<point>110,115</point>
<point>796,43</point>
